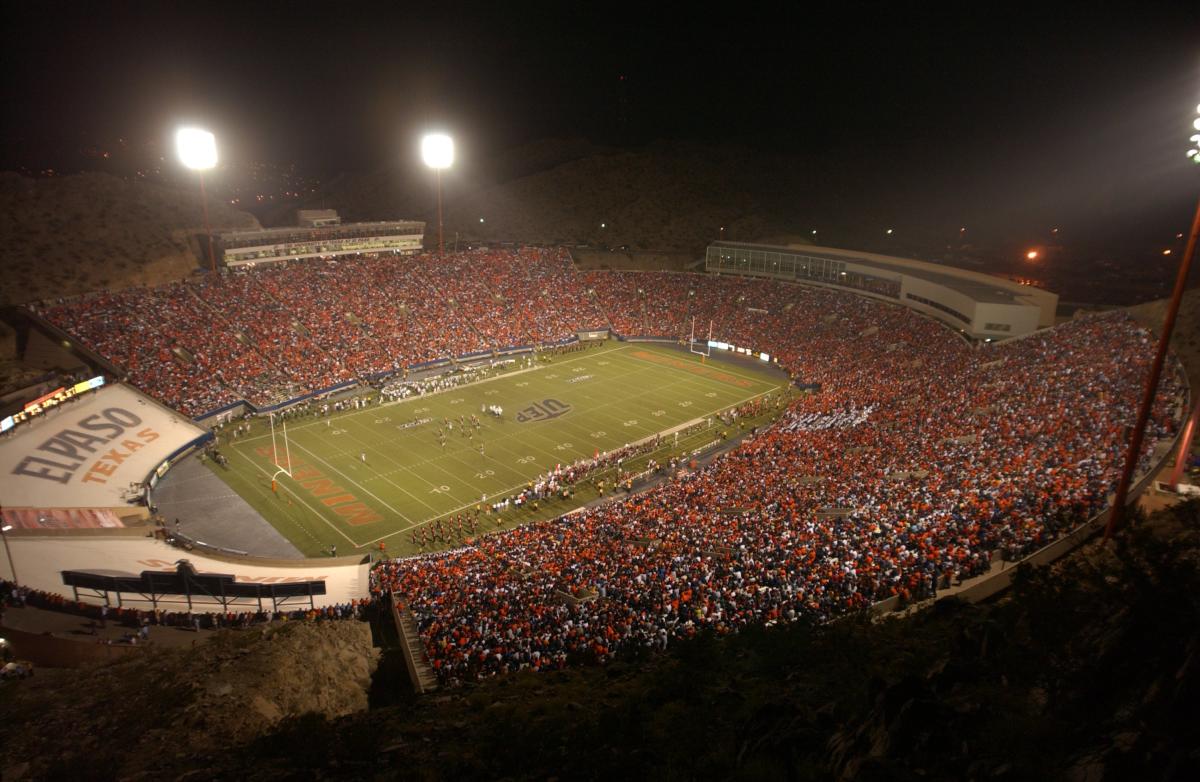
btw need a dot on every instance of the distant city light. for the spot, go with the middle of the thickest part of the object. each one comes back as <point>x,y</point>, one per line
<point>889,232</point>
<point>1032,255</point>
<point>1053,230</point>
<point>1167,251</point>
<point>603,225</point>
<point>197,148</point>
<point>437,150</point>
<point>481,219</point>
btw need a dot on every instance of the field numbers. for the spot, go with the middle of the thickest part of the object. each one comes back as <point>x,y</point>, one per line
<point>421,410</point>
<point>685,404</point>
<point>522,384</point>
<point>602,363</point>
<point>576,369</point>
<point>552,376</point>
<point>338,431</point>
<point>526,460</point>
<point>659,413</point>
<point>485,474</point>
<point>384,420</point>
<point>439,489</point>
<point>599,434</point>
<point>493,392</point>
<point>711,394</point>
<point>630,422</point>
<point>563,446</point>
<point>457,401</point>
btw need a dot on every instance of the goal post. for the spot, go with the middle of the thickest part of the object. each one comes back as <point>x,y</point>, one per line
<point>287,447</point>
<point>706,346</point>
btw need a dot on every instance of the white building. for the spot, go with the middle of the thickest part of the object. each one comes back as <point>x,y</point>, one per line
<point>980,305</point>
<point>320,235</point>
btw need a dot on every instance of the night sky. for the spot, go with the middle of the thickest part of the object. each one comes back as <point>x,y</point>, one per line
<point>935,113</point>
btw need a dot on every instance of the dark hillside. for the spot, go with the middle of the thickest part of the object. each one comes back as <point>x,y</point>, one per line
<point>72,234</point>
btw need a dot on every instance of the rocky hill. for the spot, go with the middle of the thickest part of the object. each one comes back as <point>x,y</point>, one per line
<point>71,234</point>
<point>168,705</point>
<point>662,197</point>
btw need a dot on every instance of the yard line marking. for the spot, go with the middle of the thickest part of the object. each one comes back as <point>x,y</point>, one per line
<point>502,493</point>
<point>355,483</point>
<point>411,399</point>
<point>315,512</point>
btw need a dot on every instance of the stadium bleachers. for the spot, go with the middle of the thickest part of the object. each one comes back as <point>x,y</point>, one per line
<point>921,455</point>
<point>1012,445</point>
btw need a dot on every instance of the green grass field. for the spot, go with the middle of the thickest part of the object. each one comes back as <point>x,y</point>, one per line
<point>371,475</point>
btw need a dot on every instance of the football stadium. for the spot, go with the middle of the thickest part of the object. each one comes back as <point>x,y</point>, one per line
<point>614,459</point>
<point>412,393</point>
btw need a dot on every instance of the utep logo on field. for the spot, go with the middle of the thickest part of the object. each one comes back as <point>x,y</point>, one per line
<point>543,411</point>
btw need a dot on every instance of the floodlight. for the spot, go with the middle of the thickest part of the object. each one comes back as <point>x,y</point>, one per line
<point>1196,123</point>
<point>437,150</point>
<point>6,528</point>
<point>1032,255</point>
<point>197,148</point>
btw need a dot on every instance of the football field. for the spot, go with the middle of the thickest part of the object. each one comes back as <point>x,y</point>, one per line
<point>364,476</point>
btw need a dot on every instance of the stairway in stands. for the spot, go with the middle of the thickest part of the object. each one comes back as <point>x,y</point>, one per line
<point>419,669</point>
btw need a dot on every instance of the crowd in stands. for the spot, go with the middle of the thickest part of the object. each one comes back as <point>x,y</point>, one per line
<point>275,332</point>
<point>917,458</point>
<point>879,485</point>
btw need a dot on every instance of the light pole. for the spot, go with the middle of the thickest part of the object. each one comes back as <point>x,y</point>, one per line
<point>4,533</point>
<point>197,150</point>
<point>437,150</point>
<point>1117,516</point>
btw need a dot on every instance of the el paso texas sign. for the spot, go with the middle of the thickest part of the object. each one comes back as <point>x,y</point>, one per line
<point>87,452</point>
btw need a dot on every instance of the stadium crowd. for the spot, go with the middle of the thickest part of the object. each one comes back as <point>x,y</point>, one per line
<point>880,484</point>
<point>277,332</point>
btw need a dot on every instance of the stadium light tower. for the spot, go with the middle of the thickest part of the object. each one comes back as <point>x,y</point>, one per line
<point>1194,151</point>
<point>197,150</point>
<point>1117,516</point>
<point>437,150</point>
